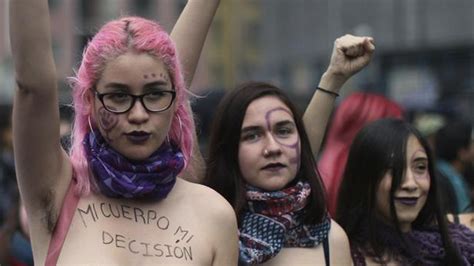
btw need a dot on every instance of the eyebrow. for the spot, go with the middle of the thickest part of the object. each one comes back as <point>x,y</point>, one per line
<point>156,83</point>
<point>124,87</point>
<point>285,122</point>
<point>420,159</point>
<point>249,129</point>
<point>116,85</point>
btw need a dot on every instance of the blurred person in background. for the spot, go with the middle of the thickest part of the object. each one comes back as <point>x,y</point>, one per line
<point>15,247</point>
<point>353,113</point>
<point>428,123</point>
<point>455,155</point>
<point>65,126</point>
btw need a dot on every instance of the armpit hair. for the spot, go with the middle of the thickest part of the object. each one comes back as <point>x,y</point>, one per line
<point>50,214</point>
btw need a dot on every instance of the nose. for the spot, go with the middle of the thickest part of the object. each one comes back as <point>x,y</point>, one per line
<point>272,148</point>
<point>409,182</point>
<point>138,114</point>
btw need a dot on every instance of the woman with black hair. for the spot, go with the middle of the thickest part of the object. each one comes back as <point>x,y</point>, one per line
<point>261,161</point>
<point>388,203</point>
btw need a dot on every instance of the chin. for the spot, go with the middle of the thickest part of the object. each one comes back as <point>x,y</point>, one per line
<point>407,218</point>
<point>275,185</point>
<point>137,155</point>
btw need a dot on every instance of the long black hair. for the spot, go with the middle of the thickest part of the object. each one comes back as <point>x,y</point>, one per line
<point>378,148</point>
<point>223,171</point>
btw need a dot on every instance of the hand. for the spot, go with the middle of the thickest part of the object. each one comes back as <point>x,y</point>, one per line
<point>350,54</point>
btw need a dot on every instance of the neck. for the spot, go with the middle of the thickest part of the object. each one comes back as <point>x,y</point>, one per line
<point>405,227</point>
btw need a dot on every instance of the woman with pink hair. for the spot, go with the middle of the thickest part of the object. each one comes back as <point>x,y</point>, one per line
<point>116,198</point>
<point>356,111</point>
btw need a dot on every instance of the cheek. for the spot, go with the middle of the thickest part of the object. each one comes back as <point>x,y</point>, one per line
<point>244,153</point>
<point>294,149</point>
<point>107,120</point>
<point>382,204</point>
<point>423,176</point>
<point>383,195</point>
<point>246,161</point>
<point>424,181</point>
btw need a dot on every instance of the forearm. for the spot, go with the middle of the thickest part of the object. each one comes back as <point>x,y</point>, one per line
<point>350,54</point>
<point>318,112</point>
<point>190,31</point>
<point>30,38</point>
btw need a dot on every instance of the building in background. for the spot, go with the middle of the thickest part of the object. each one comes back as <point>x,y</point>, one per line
<point>425,48</point>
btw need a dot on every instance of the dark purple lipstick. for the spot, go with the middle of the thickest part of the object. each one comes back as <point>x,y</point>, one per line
<point>273,167</point>
<point>138,136</point>
<point>409,201</point>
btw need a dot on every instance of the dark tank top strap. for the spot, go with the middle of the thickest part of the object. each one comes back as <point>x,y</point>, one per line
<point>326,251</point>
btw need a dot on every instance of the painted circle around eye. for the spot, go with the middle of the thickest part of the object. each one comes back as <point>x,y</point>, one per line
<point>273,112</point>
<point>295,145</point>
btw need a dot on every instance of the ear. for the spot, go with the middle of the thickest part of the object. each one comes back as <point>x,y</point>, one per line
<point>89,101</point>
<point>90,104</point>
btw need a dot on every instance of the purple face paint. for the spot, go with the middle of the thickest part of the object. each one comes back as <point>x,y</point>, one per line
<point>145,76</point>
<point>165,77</point>
<point>107,121</point>
<point>295,145</point>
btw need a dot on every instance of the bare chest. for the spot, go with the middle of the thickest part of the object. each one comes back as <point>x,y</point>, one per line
<point>299,256</point>
<point>105,231</point>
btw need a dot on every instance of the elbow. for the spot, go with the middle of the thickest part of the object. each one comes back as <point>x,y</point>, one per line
<point>28,86</point>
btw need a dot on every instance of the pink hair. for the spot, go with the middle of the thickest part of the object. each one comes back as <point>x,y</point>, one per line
<point>356,111</point>
<point>113,39</point>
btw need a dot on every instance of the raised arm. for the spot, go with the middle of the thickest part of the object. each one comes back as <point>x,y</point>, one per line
<point>190,31</point>
<point>39,159</point>
<point>189,34</point>
<point>350,54</point>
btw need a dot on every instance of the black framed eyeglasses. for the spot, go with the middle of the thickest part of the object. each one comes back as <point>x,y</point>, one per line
<point>121,102</point>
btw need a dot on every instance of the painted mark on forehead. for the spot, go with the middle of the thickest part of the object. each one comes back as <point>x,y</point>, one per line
<point>295,146</point>
<point>164,76</point>
<point>146,76</point>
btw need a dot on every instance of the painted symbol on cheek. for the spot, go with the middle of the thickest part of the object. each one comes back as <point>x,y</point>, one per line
<point>295,146</point>
<point>107,121</point>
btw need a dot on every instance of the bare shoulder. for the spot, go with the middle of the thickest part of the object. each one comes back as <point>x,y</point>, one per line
<point>339,245</point>
<point>337,235</point>
<point>219,221</point>
<point>205,198</point>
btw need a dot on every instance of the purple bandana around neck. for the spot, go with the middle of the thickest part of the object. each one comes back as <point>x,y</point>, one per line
<point>118,177</point>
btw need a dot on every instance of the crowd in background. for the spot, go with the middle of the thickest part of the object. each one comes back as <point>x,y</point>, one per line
<point>451,140</point>
<point>389,177</point>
